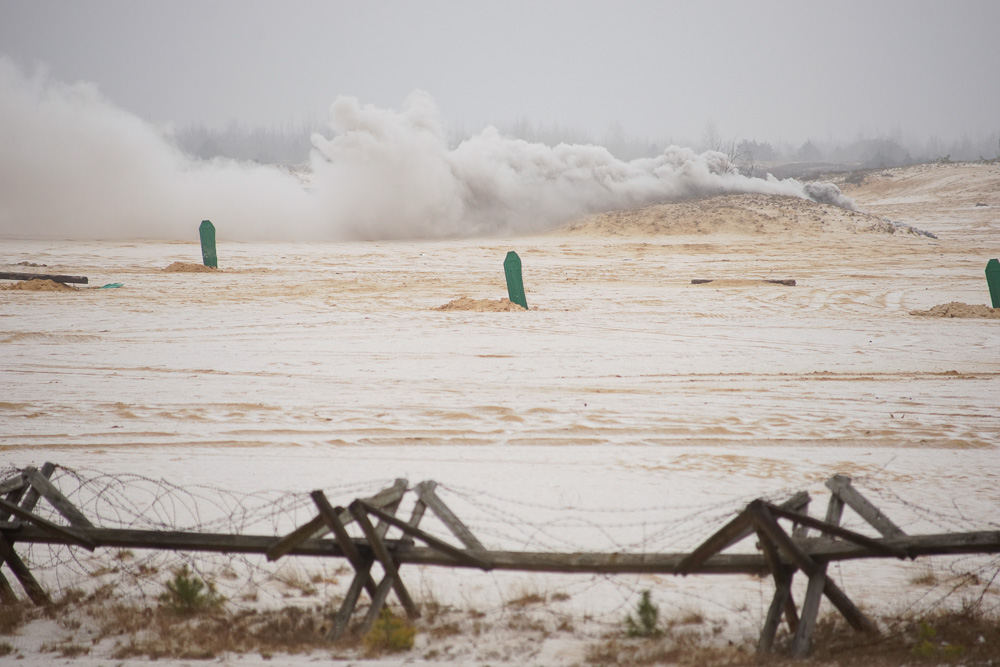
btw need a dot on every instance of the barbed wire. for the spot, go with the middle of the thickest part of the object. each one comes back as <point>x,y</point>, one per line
<point>132,501</point>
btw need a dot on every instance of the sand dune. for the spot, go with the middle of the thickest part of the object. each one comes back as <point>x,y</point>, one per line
<point>744,214</point>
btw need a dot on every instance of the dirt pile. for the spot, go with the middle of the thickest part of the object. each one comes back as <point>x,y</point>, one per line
<point>481,305</point>
<point>959,309</point>
<point>188,267</point>
<point>37,285</point>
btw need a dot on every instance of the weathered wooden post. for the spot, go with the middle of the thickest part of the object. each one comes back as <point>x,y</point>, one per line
<point>993,281</point>
<point>802,641</point>
<point>515,284</point>
<point>208,256</point>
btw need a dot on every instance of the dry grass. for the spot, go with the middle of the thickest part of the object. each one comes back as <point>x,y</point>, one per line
<point>295,580</point>
<point>522,622</point>
<point>330,575</point>
<point>66,649</point>
<point>678,650</point>
<point>124,555</point>
<point>692,618</point>
<point>444,630</point>
<point>939,638</point>
<point>14,616</point>
<point>156,634</point>
<point>526,597</point>
<point>925,577</point>
<point>102,623</point>
<point>966,637</point>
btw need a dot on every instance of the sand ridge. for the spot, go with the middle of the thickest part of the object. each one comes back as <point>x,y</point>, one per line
<point>961,310</point>
<point>742,214</point>
<point>947,198</point>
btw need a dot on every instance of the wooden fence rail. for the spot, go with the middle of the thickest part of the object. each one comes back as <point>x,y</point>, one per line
<point>780,553</point>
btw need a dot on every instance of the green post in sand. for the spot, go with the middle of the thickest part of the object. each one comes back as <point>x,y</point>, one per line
<point>993,281</point>
<point>208,256</point>
<point>515,285</point>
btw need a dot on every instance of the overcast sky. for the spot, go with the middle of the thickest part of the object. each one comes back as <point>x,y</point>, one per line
<point>777,70</point>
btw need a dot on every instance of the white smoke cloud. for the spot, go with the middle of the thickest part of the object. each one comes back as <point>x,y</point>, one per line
<point>73,165</point>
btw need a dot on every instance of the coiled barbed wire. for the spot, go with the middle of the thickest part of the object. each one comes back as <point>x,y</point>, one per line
<point>132,501</point>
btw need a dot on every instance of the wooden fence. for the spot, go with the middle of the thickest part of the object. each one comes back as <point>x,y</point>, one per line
<point>808,547</point>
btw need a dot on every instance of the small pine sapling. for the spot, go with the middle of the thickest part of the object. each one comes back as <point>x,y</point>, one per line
<point>187,594</point>
<point>648,615</point>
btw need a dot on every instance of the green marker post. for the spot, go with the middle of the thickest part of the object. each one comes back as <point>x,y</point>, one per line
<point>993,281</point>
<point>515,284</point>
<point>208,256</point>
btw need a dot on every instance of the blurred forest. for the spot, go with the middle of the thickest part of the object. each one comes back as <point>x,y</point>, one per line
<point>290,143</point>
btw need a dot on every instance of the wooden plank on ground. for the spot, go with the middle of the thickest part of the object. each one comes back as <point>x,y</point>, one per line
<point>13,275</point>
<point>782,281</point>
<point>841,486</point>
<point>56,498</point>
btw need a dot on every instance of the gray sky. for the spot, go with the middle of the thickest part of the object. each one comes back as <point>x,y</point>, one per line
<point>778,70</point>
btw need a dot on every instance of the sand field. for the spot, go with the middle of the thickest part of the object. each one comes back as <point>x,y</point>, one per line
<point>623,387</point>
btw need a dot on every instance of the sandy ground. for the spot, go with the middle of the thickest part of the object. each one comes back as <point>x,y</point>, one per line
<point>624,388</point>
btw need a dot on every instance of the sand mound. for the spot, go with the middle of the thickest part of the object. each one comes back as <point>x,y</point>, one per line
<point>969,184</point>
<point>481,305</point>
<point>958,309</point>
<point>37,285</point>
<point>735,214</point>
<point>188,267</point>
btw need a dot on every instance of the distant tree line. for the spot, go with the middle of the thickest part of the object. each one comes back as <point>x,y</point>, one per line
<point>290,144</point>
<point>285,144</point>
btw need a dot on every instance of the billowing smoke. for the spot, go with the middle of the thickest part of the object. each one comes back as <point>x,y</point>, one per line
<point>73,165</point>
